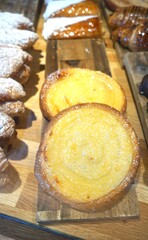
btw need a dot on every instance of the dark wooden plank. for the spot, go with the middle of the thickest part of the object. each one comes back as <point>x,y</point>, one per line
<point>29,8</point>
<point>51,57</point>
<point>50,210</point>
<point>136,65</point>
<point>82,53</point>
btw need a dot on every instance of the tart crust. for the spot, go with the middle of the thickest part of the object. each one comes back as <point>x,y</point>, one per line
<point>68,87</point>
<point>88,157</point>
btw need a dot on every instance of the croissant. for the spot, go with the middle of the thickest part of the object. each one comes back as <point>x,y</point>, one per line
<point>133,15</point>
<point>133,37</point>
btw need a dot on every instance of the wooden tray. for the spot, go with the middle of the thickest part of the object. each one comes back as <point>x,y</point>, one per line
<point>136,65</point>
<point>29,8</point>
<point>84,53</point>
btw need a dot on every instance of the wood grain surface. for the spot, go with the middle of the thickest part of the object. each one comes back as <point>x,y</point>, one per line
<point>18,201</point>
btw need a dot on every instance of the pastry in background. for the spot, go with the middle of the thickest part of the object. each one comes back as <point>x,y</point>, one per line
<point>14,63</point>
<point>67,87</point>
<point>70,9</point>
<point>113,5</point>
<point>15,20</point>
<point>73,19</point>
<point>17,37</point>
<point>130,28</point>
<point>132,37</point>
<point>74,27</point>
<point>131,15</point>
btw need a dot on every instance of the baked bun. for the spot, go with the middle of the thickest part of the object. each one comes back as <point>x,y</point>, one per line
<point>72,27</point>
<point>88,156</point>
<point>71,9</point>
<point>67,87</point>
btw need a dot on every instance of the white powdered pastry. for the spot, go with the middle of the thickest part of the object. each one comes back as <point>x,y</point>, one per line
<point>55,24</point>
<point>12,108</point>
<point>11,59</point>
<point>54,6</point>
<point>14,20</point>
<point>7,126</point>
<point>18,37</point>
<point>10,89</point>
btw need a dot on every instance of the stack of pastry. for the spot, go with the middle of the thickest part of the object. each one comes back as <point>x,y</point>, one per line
<point>16,34</point>
<point>89,153</point>
<point>130,27</point>
<point>73,19</point>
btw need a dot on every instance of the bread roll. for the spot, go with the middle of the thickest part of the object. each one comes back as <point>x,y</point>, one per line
<point>88,157</point>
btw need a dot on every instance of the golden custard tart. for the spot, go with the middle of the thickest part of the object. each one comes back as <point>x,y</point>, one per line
<point>88,156</point>
<point>68,87</point>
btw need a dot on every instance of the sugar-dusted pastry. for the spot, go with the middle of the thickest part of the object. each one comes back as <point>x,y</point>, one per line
<point>10,50</point>
<point>88,156</point>
<point>12,108</point>
<point>72,27</point>
<point>72,8</point>
<point>22,75</point>
<point>22,38</point>
<point>14,63</point>
<point>10,90</point>
<point>67,87</point>
<point>7,130</point>
<point>3,161</point>
<point>14,20</point>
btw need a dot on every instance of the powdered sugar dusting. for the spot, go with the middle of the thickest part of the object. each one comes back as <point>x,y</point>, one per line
<point>14,20</point>
<point>21,38</point>
<point>11,59</point>
<point>6,125</point>
<point>10,89</point>
<point>12,108</point>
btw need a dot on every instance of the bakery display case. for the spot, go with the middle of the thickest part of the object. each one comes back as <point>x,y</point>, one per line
<point>26,210</point>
